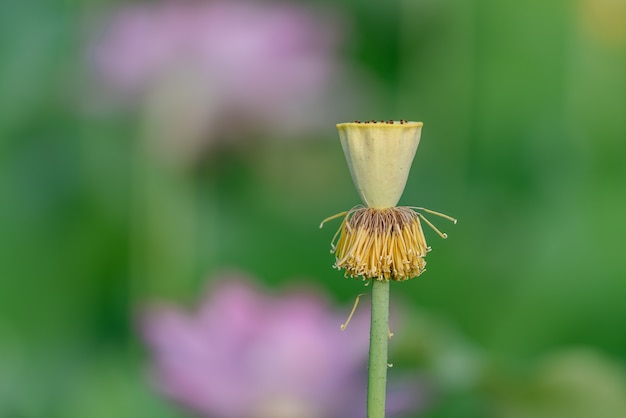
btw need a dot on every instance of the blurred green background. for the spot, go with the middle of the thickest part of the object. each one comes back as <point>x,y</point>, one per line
<point>524,141</point>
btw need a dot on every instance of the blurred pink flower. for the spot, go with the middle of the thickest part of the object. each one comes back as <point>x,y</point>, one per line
<point>245,354</point>
<point>249,61</point>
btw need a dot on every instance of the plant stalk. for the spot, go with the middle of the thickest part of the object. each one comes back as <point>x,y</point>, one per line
<point>379,338</point>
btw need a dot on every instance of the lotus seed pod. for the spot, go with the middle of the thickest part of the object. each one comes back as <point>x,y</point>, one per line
<point>379,156</point>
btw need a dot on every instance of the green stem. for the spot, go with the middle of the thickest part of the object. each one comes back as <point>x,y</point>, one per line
<point>379,336</point>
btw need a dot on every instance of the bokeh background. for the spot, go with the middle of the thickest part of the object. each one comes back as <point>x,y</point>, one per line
<point>147,147</point>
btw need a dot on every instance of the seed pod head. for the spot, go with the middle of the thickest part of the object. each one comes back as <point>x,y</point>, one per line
<point>379,156</point>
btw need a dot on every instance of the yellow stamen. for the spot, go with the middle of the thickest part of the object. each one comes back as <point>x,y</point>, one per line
<point>432,212</point>
<point>382,244</point>
<point>356,303</point>
<point>434,228</point>
<point>330,218</point>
